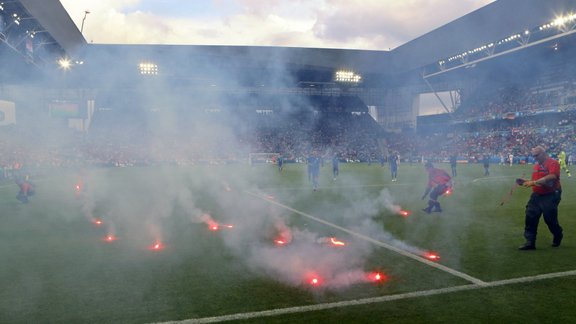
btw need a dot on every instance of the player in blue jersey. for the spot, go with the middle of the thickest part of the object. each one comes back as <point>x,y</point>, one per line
<point>335,166</point>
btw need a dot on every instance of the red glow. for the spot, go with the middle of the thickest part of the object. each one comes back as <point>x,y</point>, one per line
<point>157,246</point>
<point>283,238</point>
<point>404,213</point>
<point>213,226</point>
<point>270,197</point>
<point>376,277</point>
<point>432,256</point>
<point>312,278</point>
<point>97,222</point>
<point>78,188</point>
<point>448,191</point>
<point>110,238</point>
<point>315,281</point>
<point>335,242</point>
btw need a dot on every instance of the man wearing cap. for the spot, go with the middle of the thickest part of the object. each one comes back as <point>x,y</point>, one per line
<point>544,200</point>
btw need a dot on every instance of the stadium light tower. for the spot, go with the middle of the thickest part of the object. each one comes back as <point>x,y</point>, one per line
<point>86,12</point>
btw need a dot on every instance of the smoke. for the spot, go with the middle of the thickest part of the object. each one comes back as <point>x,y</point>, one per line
<point>186,143</point>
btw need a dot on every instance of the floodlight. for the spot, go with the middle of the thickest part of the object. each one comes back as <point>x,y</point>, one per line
<point>147,68</point>
<point>347,77</point>
<point>64,63</point>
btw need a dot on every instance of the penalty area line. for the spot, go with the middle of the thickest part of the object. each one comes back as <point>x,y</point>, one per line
<point>378,243</point>
<point>372,300</point>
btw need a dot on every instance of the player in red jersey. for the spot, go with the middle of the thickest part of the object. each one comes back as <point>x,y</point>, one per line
<point>438,183</point>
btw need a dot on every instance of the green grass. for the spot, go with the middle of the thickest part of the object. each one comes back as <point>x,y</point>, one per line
<point>56,268</point>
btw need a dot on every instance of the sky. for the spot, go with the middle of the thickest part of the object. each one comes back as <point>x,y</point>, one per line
<point>346,24</point>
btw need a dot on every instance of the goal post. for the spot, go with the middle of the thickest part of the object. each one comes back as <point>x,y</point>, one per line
<point>259,158</point>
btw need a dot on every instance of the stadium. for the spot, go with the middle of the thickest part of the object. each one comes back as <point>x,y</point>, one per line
<point>261,184</point>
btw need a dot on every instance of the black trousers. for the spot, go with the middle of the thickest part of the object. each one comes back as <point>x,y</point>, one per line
<point>438,191</point>
<point>542,205</point>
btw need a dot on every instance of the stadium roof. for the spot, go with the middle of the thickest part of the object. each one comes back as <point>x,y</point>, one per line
<point>490,23</point>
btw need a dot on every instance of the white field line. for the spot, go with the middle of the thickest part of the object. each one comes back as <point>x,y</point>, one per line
<point>381,244</point>
<point>391,184</point>
<point>372,300</point>
<point>493,178</point>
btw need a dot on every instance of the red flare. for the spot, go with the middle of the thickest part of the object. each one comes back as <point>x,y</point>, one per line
<point>404,213</point>
<point>314,281</point>
<point>335,242</point>
<point>213,226</point>
<point>432,256</point>
<point>110,238</point>
<point>280,242</point>
<point>78,188</point>
<point>157,246</point>
<point>448,192</point>
<point>97,222</point>
<point>376,277</point>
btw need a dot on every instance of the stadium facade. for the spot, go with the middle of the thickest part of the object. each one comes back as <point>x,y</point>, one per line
<point>454,58</point>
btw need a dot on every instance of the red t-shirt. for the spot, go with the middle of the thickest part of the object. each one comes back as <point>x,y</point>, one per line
<point>437,176</point>
<point>550,166</point>
<point>25,187</point>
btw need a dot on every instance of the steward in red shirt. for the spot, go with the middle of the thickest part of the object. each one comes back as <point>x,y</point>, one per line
<point>545,198</point>
<point>439,182</point>
<point>26,189</point>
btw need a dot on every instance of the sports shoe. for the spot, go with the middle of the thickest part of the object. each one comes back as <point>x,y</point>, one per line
<point>427,210</point>
<point>527,247</point>
<point>557,240</point>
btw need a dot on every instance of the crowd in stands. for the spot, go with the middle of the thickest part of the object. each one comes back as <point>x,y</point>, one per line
<point>130,140</point>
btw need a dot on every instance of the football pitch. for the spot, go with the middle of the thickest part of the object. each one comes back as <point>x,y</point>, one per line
<point>214,243</point>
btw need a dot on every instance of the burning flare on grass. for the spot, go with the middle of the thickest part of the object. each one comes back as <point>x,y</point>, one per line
<point>433,256</point>
<point>110,238</point>
<point>404,213</point>
<point>157,246</point>
<point>314,280</point>
<point>376,277</point>
<point>212,224</point>
<point>284,233</point>
<point>330,241</point>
